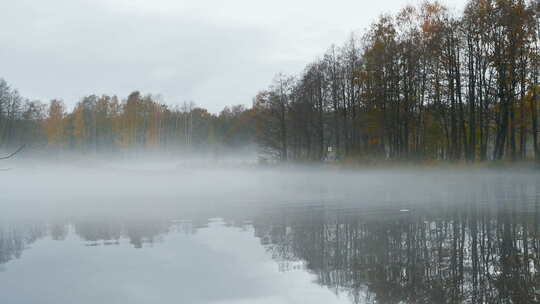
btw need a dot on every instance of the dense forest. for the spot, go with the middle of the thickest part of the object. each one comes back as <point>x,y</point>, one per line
<point>104,124</point>
<point>424,84</point>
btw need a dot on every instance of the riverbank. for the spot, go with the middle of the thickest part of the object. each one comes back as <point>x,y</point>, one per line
<point>436,164</point>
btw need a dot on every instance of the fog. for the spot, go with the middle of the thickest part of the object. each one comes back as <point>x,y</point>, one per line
<point>149,228</point>
<point>175,187</point>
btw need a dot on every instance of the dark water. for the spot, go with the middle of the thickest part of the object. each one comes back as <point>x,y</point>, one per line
<point>478,243</point>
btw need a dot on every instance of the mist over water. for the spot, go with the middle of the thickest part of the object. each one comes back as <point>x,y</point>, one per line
<point>149,229</point>
<point>398,166</point>
<point>158,185</point>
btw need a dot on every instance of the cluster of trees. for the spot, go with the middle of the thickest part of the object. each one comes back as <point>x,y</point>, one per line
<point>423,84</point>
<point>107,124</point>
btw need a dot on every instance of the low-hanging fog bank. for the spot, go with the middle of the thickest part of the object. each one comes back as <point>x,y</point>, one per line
<point>181,188</point>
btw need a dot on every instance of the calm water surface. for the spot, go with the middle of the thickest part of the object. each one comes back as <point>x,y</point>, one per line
<point>469,241</point>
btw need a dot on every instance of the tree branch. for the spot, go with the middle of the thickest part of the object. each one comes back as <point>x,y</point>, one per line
<point>13,154</point>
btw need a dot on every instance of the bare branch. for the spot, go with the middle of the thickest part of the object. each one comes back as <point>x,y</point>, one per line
<point>14,153</point>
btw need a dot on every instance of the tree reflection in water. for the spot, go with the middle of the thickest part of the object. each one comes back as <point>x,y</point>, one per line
<point>483,250</point>
<point>470,253</point>
<point>14,239</point>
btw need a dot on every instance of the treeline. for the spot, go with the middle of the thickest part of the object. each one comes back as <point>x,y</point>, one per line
<point>110,124</point>
<point>422,84</point>
<point>425,84</point>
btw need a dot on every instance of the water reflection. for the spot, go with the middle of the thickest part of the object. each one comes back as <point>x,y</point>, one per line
<point>109,231</point>
<point>480,251</point>
<point>14,239</point>
<point>463,254</point>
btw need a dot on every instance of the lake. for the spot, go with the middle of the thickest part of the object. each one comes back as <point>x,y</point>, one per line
<point>95,235</point>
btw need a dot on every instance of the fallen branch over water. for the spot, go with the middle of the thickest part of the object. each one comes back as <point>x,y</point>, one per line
<point>14,153</point>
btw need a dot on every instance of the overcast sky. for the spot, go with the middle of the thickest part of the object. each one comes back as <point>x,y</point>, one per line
<point>214,52</point>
